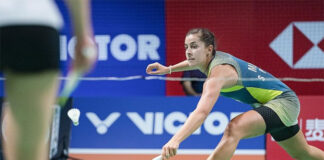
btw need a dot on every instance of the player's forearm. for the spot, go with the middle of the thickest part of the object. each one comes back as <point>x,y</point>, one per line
<point>182,66</point>
<point>206,103</point>
<point>80,14</point>
<point>194,121</point>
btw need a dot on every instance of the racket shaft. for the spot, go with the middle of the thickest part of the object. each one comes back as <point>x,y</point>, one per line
<point>71,83</point>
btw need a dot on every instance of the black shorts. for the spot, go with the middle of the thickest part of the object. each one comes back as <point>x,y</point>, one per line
<point>274,125</point>
<point>29,48</point>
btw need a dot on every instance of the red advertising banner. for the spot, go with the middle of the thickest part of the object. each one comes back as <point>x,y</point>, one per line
<point>311,121</point>
<point>283,37</point>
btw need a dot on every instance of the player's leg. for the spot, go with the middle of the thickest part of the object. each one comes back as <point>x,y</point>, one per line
<point>31,97</point>
<point>290,138</point>
<point>30,61</point>
<point>248,124</point>
<point>298,148</point>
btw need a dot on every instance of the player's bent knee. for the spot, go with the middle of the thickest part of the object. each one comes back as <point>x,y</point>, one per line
<point>233,130</point>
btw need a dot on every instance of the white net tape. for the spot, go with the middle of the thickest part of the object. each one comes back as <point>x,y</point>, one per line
<point>138,77</point>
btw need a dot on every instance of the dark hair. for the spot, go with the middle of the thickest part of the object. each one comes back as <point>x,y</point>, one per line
<point>206,36</point>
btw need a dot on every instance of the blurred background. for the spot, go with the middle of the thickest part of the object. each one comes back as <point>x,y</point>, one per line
<point>127,114</point>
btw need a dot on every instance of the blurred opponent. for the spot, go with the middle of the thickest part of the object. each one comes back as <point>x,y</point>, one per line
<point>29,59</point>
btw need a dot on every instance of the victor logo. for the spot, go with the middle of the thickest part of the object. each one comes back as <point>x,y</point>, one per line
<point>158,123</point>
<point>301,45</point>
<point>102,125</point>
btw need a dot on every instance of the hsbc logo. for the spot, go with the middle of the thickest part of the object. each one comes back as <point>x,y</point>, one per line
<point>301,45</point>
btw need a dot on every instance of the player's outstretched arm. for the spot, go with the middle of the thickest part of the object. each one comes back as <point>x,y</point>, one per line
<point>159,69</point>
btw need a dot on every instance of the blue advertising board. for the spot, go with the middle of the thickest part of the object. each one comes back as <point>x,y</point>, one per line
<point>129,35</point>
<point>149,122</point>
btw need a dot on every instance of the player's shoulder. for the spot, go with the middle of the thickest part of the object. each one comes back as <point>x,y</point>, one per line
<point>222,54</point>
<point>221,70</point>
<point>220,61</point>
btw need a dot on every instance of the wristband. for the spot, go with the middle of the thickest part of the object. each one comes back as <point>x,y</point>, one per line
<point>170,70</point>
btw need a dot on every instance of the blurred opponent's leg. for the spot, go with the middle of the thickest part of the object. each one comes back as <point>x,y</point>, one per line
<point>31,97</point>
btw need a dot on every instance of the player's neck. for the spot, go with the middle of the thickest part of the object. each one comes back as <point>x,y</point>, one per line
<point>205,67</point>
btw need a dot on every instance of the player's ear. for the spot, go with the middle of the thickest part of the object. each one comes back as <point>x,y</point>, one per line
<point>210,50</point>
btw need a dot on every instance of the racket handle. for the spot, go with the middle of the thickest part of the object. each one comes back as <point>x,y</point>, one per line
<point>158,158</point>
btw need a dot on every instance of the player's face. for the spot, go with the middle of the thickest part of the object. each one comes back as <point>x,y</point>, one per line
<point>195,50</point>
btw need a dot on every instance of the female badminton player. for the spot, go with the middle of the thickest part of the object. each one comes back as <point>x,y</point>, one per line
<point>275,106</point>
